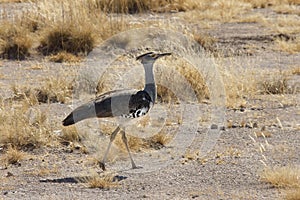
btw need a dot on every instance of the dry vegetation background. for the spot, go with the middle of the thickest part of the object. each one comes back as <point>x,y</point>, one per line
<point>46,42</point>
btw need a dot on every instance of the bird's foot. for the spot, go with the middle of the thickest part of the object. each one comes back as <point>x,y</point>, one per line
<point>136,167</point>
<point>102,165</point>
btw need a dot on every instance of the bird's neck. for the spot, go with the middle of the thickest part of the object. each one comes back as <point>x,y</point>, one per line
<point>150,86</point>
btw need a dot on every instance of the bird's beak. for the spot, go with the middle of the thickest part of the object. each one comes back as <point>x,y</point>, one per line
<point>163,54</point>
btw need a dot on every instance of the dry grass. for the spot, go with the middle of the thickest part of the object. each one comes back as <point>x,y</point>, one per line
<point>239,83</point>
<point>290,46</point>
<point>220,10</point>
<point>54,89</point>
<point>15,42</point>
<point>296,71</point>
<point>64,56</point>
<point>293,194</point>
<point>12,156</point>
<point>138,6</point>
<point>287,24</point>
<point>206,41</point>
<point>55,26</point>
<point>23,127</point>
<point>70,134</point>
<point>275,85</point>
<point>67,38</point>
<point>106,181</point>
<point>286,9</point>
<point>282,177</point>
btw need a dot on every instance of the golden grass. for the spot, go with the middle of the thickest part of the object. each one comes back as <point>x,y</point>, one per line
<point>70,134</point>
<point>238,82</point>
<point>12,156</point>
<point>275,85</point>
<point>67,38</point>
<point>54,89</point>
<point>293,194</point>
<point>282,177</point>
<point>105,181</point>
<point>64,56</point>
<point>23,127</point>
<point>296,70</point>
<point>290,46</point>
<point>219,10</point>
<point>139,6</point>
<point>287,24</point>
<point>15,42</point>
<point>206,41</point>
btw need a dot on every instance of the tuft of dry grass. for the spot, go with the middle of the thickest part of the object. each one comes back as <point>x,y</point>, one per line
<point>107,181</point>
<point>139,6</point>
<point>64,56</point>
<point>15,42</point>
<point>296,71</point>
<point>12,156</point>
<point>282,177</point>
<point>289,46</point>
<point>293,194</point>
<point>23,127</point>
<point>67,38</point>
<point>54,89</point>
<point>70,134</point>
<point>276,85</point>
<point>206,41</point>
<point>159,140</point>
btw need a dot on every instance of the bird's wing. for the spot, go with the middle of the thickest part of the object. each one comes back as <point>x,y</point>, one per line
<point>128,103</point>
<point>113,103</point>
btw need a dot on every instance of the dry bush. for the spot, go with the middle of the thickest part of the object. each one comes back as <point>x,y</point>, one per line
<point>12,156</point>
<point>68,38</point>
<point>71,26</point>
<point>23,127</point>
<point>282,177</point>
<point>14,41</point>
<point>138,6</point>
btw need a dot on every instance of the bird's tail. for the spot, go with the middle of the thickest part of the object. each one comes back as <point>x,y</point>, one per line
<point>84,111</point>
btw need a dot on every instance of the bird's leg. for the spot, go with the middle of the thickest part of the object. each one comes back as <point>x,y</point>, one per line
<point>112,137</point>
<point>124,138</point>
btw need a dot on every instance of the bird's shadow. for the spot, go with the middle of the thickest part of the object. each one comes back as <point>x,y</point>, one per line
<point>78,179</point>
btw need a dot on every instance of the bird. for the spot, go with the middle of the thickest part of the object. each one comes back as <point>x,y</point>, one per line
<point>124,104</point>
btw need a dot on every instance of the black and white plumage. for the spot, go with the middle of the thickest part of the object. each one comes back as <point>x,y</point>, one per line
<point>121,103</point>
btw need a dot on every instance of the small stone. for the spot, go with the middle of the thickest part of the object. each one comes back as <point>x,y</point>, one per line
<point>9,174</point>
<point>214,126</point>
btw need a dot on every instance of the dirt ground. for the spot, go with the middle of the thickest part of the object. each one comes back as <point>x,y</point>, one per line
<point>230,171</point>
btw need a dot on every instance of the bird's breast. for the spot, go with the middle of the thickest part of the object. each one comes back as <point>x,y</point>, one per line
<point>137,113</point>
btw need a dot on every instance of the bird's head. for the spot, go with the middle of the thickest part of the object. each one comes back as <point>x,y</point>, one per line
<point>151,57</point>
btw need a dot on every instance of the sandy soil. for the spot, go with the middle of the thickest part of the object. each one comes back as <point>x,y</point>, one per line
<point>230,171</point>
